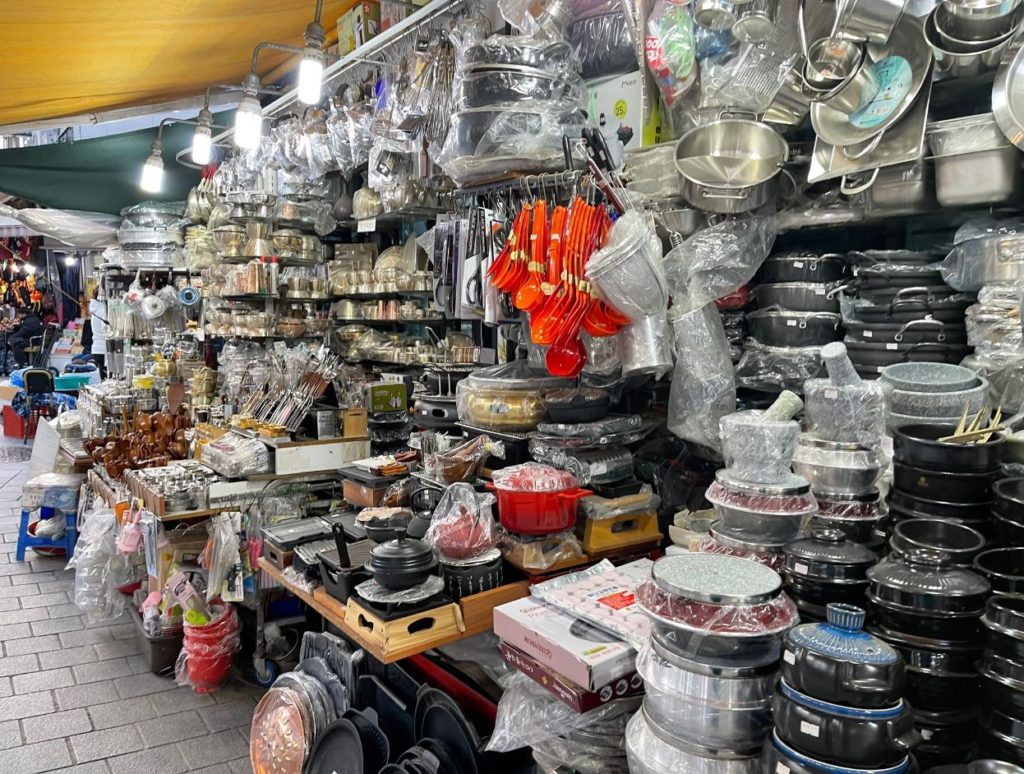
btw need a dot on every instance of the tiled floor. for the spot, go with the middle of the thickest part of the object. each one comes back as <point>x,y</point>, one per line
<point>80,698</point>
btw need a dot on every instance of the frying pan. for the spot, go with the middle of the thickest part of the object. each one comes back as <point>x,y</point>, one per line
<point>886,295</point>
<point>338,750</point>
<point>317,667</point>
<point>904,309</point>
<point>439,750</point>
<point>437,716</point>
<point>421,759</point>
<point>882,354</point>
<point>374,744</point>
<point>923,331</point>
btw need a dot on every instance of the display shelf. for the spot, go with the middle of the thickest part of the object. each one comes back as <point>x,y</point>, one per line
<point>431,321</point>
<point>476,613</point>
<point>384,295</point>
<point>366,225</point>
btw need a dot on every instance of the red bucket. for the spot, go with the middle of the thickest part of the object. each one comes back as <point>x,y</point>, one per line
<point>210,650</point>
<point>538,513</point>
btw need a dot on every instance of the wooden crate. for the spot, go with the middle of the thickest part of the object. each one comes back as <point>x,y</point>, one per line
<point>410,634</point>
<point>478,609</point>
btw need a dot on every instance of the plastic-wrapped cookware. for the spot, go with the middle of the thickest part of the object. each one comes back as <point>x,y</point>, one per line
<point>845,736</point>
<point>716,606</point>
<point>924,593</point>
<point>827,567</point>
<point>780,757</point>
<point>767,512</point>
<point>919,445</point>
<point>721,540</point>
<point>797,296</point>
<point>802,267</point>
<point>957,540</point>
<point>651,749</point>
<point>794,329</point>
<point>1004,625</point>
<point>1003,568</point>
<point>921,331</point>
<point>839,662</point>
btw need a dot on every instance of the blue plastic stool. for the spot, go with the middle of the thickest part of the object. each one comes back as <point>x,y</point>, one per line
<point>67,541</point>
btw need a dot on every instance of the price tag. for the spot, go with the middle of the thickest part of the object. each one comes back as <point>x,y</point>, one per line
<point>892,347</point>
<point>791,323</point>
<point>789,657</point>
<point>366,226</point>
<point>810,729</point>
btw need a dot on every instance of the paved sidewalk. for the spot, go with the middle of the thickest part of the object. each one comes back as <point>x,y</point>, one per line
<point>80,698</point>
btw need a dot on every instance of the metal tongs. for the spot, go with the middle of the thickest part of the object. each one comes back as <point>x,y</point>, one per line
<point>602,168</point>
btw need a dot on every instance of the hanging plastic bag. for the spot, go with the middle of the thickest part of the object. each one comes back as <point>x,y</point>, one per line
<point>671,50</point>
<point>463,524</point>
<point>96,568</point>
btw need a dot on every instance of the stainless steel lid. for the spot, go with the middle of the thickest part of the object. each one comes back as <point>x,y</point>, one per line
<point>792,485</point>
<point>716,579</point>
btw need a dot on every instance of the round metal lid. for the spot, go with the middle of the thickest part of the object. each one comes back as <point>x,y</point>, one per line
<point>753,27</point>
<point>733,539</point>
<point>790,485</point>
<point>717,579</point>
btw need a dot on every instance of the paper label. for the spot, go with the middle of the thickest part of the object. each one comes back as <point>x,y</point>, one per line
<point>781,768</point>
<point>791,323</point>
<point>867,334</point>
<point>801,568</point>
<point>892,347</point>
<point>619,600</point>
<point>366,226</point>
<point>810,729</point>
<point>895,76</point>
<point>820,291</point>
<point>798,264</point>
<point>789,657</point>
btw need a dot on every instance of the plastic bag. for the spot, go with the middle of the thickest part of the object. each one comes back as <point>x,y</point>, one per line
<point>93,230</point>
<point>613,424</point>
<point>204,663</point>
<point>604,596</point>
<point>223,554</point>
<point>462,525</point>
<point>773,369</point>
<point>604,45</point>
<point>671,50</point>
<point>598,466</point>
<point>844,407</point>
<point>539,552</point>
<point>598,508</point>
<point>703,383</point>
<point>717,260</point>
<point>533,477</point>
<point>96,564</point>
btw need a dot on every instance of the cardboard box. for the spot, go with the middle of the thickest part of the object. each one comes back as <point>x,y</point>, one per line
<point>392,12</point>
<point>580,699</point>
<point>354,423</point>
<point>615,106</point>
<point>568,646</point>
<point>357,26</point>
<point>382,397</point>
<point>362,495</point>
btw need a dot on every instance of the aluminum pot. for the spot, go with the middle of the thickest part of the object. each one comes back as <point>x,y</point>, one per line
<point>994,258</point>
<point>794,329</point>
<point>756,22</point>
<point>838,735</point>
<point>790,105</point>
<point>715,704</point>
<point>959,63</point>
<point>653,750</point>
<point>797,296</point>
<point>730,165</point>
<point>715,14</point>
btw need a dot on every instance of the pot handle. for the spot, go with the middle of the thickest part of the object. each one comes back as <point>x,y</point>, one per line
<point>914,292</point>
<point>867,149</point>
<point>574,494</point>
<point>839,289</point>
<point>868,686</point>
<point>909,739</point>
<point>929,321</point>
<point>812,315</point>
<point>851,190</point>
<point>710,194</point>
<point>801,28</point>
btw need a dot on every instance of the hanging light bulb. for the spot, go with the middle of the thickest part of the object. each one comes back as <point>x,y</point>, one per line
<point>152,179</point>
<point>249,115</point>
<point>70,260</point>
<point>311,71</point>
<point>29,269</point>
<point>202,140</point>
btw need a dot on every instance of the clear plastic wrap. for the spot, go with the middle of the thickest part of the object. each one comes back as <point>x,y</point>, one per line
<point>627,270</point>
<point>590,468</point>
<point>533,477</point>
<point>652,172</point>
<point>747,77</point>
<point>461,463</point>
<point>772,369</point>
<point>515,88</point>
<point>704,704</point>
<point>235,456</point>
<point>703,385</point>
<point>462,525</point>
<point>994,322</point>
<point>602,427</point>
<point>222,555</point>
<point>541,552</point>
<point>719,259</point>
<point>95,562</point>
<point>649,752</point>
<point>645,347</point>
<point>372,591</point>
<point>600,508</point>
<point>772,617</point>
<point>844,407</point>
<point>786,503</point>
<point>204,663</point>
<point>317,214</point>
<point>604,595</point>
<point>757,449</point>
<point>671,49</point>
<point>1005,373</point>
<point>837,467</point>
<point>712,544</point>
<point>604,45</point>
<point>475,52</point>
<point>94,230</point>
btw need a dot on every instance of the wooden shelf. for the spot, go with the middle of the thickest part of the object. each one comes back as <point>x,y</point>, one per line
<point>477,612</point>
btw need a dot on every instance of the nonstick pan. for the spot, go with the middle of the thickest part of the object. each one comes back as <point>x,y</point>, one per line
<point>923,331</point>
<point>373,741</point>
<point>901,310</point>
<point>338,750</point>
<point>879,355</point>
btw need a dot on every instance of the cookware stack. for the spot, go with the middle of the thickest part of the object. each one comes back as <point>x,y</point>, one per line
<point>840,452</point>
<point>933,478</point>
<point>901,310</point>
<point>1002,679</point>
<point>795,306</point>
<point>929,609</point>
<point>932,393</point>
<point>759,502</point>
<point>839,703</point>
<point>709,667</point>
<point>1008,512</point>
<point>824,568</point>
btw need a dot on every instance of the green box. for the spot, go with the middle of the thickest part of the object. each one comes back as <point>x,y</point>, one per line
<point>387,397</point>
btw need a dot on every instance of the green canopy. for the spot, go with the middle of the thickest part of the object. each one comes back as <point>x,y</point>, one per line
<point>100,175</point>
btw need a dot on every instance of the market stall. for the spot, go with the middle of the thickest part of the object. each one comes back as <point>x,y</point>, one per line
<point>584,387</point>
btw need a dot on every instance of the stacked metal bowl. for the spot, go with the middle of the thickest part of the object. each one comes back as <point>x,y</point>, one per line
<point>968,37</point>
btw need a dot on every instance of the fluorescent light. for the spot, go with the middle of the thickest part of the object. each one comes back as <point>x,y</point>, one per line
<point>311,71</point>
<point>202,145</point>
<point>248,123</point>
<point>70,260</point>
<point>152,179</point>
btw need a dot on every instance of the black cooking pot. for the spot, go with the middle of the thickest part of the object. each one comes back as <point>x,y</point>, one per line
<point>381,529</point>
<point>797,296</point>
<point>860,531</point>
<point>901,257</point>
<point>959,487</point>
<point>919,445</point>
<point>960,542</point>
<point>831,733</point>
<point>1008,498</point>
<point>1002,683</point>
<point>925,594</point>
<point>1004,625</point>
<point>572,406</point>
<point>905,309</point>
<point>898,276</point>
<point>794,329</point>
<point>913,332</point>
<point>915,506</point>
<point>472,576</point>
<point>1001,737</point>
<point>700,646</point>
<point>778,756</point>
<point>1004,569</point>
<point>802,267</point>
<point>435,412</point>
<point>1006,531</point>
<point>940,674</point>
<point>840,663</point>
<point>946,728</point>
<point>401,563</point>
<point>880,355</point>
<point>827,567</point>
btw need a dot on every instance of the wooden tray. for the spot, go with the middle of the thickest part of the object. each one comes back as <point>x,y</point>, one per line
<point>413,633</point>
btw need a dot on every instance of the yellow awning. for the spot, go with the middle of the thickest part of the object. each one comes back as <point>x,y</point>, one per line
<point>62,58</point>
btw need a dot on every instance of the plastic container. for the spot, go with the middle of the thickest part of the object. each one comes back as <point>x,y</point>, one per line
<point>161,653</point>
<point>209,650</point>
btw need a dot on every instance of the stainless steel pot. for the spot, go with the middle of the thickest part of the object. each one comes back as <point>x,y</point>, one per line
<point>870,20</point>
<point>652,750</point>
<point>995,258</point>
<point>974,28</point>
<point>963,60</point>
<point>797,296</point>
<point>981,9</point>
<point>729,165</point>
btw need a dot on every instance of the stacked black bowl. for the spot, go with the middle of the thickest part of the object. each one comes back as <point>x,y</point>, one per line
<point>826,567</point>
<point>1002,680</point>
<point>1008,512</point>
<point>839,705</point>
<point>929,608</point>
<point>935,479</point>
